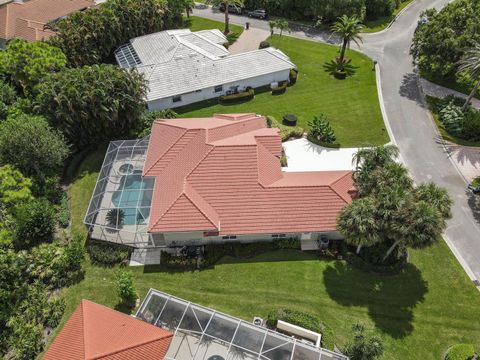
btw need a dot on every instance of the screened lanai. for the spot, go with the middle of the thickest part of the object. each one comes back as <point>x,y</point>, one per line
<point>201,333</point>
<point>120,206</point>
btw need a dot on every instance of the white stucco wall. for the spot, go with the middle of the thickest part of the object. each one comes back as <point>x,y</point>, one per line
<point>209,93</point>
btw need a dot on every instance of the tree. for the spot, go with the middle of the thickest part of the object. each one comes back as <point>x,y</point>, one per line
<point>35,223</point>
<point>282,25</point>
<point>363,347</point>
<point>321,130</point>
<point>28,63</point>
<point>441,39</point>
<point>358,223</point>
<point>470,63</point>
<point>7,97</point>
<point>368,159</point>
<point>188,5</point>
<point>115,218</point>
<point>349,29</point>
<point>391,175</point>
<point>226,3</point>
<point>125,287</point>
<point>93,103</point>
<point>90,37</point>
<point>15,189</point>
<point>32,145</point>
<point>436,196</point>
<point>272,24</point>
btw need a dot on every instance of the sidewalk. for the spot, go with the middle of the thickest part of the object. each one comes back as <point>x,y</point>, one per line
<point>249,40</point>
<point>466,158</point>
<point>439,91</point>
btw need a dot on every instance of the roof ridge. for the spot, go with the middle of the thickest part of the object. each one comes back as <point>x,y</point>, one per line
<point>167,150</point>
<point>336,181</point>
<point>166,210</point>
<point>198,208</point>
<point>100,356</point>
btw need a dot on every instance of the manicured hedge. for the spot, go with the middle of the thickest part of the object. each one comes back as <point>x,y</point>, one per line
<point>108,254</point>
<point>241,96</point>
<point>286,132</point>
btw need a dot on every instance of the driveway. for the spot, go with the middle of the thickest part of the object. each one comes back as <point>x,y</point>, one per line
<point>249,40</point>
<point>302,155</point>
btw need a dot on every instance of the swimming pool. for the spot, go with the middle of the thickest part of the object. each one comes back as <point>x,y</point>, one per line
<point>134,196</point>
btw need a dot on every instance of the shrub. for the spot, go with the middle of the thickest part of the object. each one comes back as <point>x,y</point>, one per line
<point>26,340</point>
<point>476,182</point>
<point>7,98</point>
<point>452,118</point>
<point>74,255</point>
<point>290,119</point>
<point>241,96</point>
<point>63,214</point>
<point>178,262</point>
<point>264,45</point>
<point>363,346</point>
<point>35,223</point>
<point>54,312</point>
<point>108,254</point>
<point>125,287</point>
<point>321,131</point>
<point>299,318</point>
<point>293,76</point>
<point>288,243</point>
<point>286,132</point>
<point>460,352</point>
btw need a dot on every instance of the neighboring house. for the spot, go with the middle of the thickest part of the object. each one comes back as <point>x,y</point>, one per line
<point>184,67</point>
<point>170,328</point>
<point>212,180</point>
<point>27,19</point>
<point>96,332</point>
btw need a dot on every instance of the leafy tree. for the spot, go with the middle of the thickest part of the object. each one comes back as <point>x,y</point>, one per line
<point>358,223</point>
<point>33,146</point>
<point>379,8</point>
<point>15,189</point>
<point>89,37</point>
<point>470,63</point>
<point>28,63</point>
<point>125,287</point>
<point>363,346</point>
<point>226,3</point>
<point>349,29</point>
<point>330,10</point>
<point>280,24</point>
<point>441,38</point>
<point>148,117</point>
<point>10,280</point>
<point>35,223</point>
<point>7,98</point>
<point>93,104</point>
<point>321,130</point>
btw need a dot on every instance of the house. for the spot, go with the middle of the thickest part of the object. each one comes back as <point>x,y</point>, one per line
<point>26,19</point>
<point>96,332</point>
<point>212,180</point>
<point>184,67</point>
<point>170,328</point>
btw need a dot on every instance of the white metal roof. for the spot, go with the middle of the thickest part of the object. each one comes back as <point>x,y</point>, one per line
<point>188,74</point>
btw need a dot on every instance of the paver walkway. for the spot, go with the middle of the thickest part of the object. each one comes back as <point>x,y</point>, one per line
<point>249,40</point>
<point>438,91</point>
<point>466,158</point>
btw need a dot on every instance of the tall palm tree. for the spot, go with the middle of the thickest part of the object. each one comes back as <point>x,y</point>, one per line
<point>349,29</point>
<point>226,3</point>
<point>358,223</point>
<point>435,195</point>
<point>470,63</point>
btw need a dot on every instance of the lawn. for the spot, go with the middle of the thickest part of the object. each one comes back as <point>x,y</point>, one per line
<point>196,23</point>
<point>382,23</point>
<point>418,313</point>
<point>351,105</point>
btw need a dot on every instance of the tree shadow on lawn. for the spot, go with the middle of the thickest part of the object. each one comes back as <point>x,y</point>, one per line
<point>390,299</point>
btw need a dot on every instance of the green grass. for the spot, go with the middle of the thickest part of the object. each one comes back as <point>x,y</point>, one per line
<point>196,23</point>
<point>418,313</point>
<point>441,128</point>
<point>351,105</point>
<point>382,23</point>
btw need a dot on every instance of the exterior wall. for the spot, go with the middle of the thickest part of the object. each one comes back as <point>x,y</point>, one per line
<point>209,93</point>
<point>196,238</point>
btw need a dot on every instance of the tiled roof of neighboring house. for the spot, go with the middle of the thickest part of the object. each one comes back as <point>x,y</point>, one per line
<point>223,174</point>
<point>177,62</point>
<point>27,19</point>
<point>97,332</point>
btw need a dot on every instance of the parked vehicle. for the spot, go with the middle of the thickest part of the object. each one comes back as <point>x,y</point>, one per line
<point>258,14</point>
<point>232,9</point>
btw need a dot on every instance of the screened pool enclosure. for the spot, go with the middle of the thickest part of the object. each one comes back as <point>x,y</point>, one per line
<point>204,334</point>
<point>120,206</point>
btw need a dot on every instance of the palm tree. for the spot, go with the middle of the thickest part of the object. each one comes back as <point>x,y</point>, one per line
<point>272,24</point>
<point>436,196</point>
<point>470,63</point>
<point>226,3</point>
<point>349,29</point>
<point>282,24</point>
<point>189,5</point>
<point>358,223</point>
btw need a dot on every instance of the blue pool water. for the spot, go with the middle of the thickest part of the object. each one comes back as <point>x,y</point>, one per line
<point>132,195</point>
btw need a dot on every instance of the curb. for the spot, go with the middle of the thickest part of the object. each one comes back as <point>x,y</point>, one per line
<point>394,19</point>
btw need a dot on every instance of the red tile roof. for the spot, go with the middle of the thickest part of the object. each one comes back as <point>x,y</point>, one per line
<point>223,174</point>
<point>26,20</point>
<point>97,332</point>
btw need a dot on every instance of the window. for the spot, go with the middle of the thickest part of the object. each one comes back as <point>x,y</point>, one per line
<point>177,98</point>
<point>229,237</point>
<point>218,88</point>
<point>198,91</point>
<point>279,236</point>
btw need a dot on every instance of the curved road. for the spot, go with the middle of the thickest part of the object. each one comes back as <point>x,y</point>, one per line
<point>410,124</point>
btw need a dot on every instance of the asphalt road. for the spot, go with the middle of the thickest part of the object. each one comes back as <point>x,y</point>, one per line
<point>411,125</point>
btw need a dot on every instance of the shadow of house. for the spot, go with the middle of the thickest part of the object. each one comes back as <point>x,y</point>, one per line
<point>410,89</point>
<point>390,299</point>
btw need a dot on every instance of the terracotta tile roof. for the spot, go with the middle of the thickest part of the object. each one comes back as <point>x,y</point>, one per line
<point>223,173</point>
<point>26,20</point>
<point>97,332</point>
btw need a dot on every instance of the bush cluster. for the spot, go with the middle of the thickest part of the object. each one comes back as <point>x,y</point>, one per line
<point>464,124</point>
<point>460,352</point>
<point>104,254</point>
<point>286,132</point>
